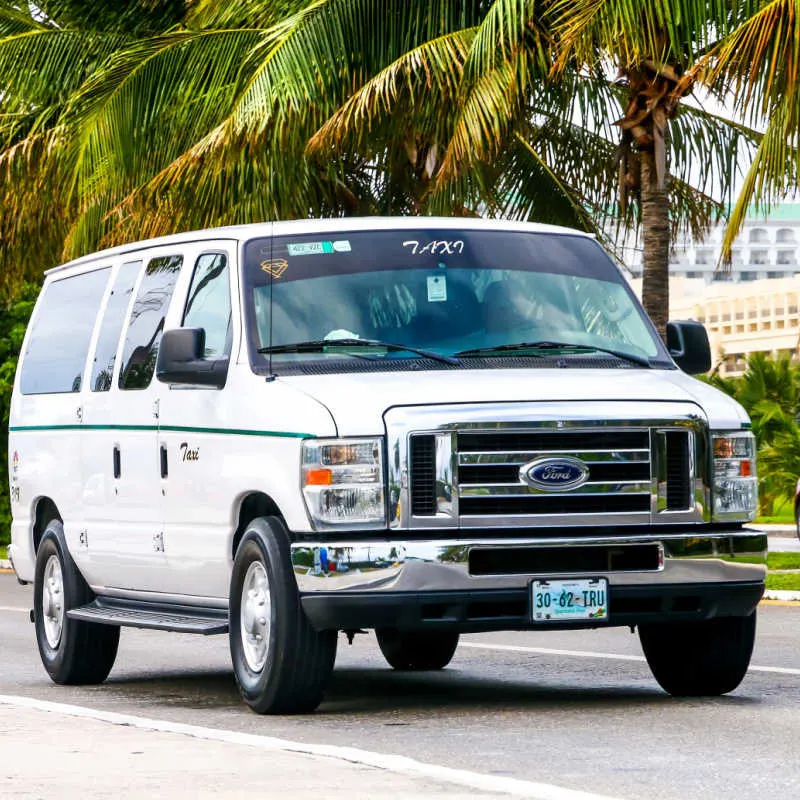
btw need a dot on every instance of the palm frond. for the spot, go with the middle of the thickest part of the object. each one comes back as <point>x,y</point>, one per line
<point>773,173</point>
<point>759,61</point>
<point>430,73</point>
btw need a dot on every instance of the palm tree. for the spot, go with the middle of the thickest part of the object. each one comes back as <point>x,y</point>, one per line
<point>261,110</point>
<point>769,390</point>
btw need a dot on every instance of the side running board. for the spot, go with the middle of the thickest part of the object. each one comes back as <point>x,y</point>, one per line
<point>180,619</point>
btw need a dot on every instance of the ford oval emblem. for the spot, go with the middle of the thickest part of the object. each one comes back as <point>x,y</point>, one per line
<point>555,474</point>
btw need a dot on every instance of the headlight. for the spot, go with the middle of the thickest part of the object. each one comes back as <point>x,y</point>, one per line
<point>735,481</point>
<point>342,482</point>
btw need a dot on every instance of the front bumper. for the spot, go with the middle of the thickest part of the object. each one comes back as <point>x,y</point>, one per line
<point>481,583</point>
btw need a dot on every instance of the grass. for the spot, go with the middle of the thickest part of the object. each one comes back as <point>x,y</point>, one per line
<point>783,561</point>
<point>786,581</point>
<point>3,552</point>
<point>782,513</point>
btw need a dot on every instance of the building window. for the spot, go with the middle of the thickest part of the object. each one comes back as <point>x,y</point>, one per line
<point>703,257</point>
<point>785,236</point>
<point>773,274</point>
<point>786,257</point>
<point>758,256</point>
<point>747,276</point>
<point>758,235</point>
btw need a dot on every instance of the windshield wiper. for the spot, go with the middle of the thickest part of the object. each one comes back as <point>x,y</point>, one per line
<point>548,345</point>
<point>318,345</point>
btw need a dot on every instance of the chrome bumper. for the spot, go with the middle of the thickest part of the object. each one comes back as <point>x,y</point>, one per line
<point>437,565</point>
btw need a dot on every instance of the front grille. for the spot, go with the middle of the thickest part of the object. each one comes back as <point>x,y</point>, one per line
<point>678,489</point>
<point>618,482</point>
<point>423,475</point>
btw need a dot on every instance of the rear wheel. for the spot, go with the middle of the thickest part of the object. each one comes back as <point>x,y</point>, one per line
<point>72,651</point>
<point>280,662</point>
<point>417,650</point>
<point>693,659</point>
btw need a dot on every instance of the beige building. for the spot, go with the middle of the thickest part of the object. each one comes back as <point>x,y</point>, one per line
<point>741,318</point>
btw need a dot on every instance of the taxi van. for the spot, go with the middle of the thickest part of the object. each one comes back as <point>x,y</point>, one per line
<point>422,427</point>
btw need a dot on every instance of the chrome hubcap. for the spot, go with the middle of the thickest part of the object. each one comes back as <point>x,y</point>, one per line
<point>255,616</point>
<point>53,601</point>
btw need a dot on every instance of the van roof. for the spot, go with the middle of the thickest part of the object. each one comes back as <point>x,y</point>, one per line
<point>311,226</point>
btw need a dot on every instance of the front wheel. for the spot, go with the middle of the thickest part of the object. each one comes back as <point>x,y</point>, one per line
<point>72,651</point>
<point>695,659</point>
<point>280,662</point>
<point>417,650</point>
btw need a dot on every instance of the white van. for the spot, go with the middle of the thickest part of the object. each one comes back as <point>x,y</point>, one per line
<point>419,426</point>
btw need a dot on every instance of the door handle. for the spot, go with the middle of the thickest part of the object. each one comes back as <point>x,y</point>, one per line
<point>117,462</point>
<point>164,462</point>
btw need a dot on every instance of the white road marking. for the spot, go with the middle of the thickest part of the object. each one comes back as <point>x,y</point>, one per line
<point>390,763</point>
<point>546,651</point>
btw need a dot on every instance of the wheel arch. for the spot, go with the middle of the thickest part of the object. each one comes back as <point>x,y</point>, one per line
<point>45,511</point>
<point>252,506</point>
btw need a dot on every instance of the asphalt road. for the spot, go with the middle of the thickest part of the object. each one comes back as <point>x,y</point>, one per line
<point>589,717</point>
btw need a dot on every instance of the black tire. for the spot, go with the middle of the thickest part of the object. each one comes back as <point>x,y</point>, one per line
<point>297,660</point>
<point>80,652</point>
<point>696,659</point>
<point>417,650</point>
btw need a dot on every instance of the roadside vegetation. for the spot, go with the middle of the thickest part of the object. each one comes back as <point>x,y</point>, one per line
<point>769,390</point>
<point>787,582</point>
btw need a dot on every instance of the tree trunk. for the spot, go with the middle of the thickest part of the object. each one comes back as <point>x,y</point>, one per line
<point>655,234</point>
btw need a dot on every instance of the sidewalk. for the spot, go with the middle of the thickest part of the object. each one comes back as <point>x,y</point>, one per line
<point>72,755</point>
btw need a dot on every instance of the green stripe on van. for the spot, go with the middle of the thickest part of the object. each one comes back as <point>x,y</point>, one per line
<point>154,428</point>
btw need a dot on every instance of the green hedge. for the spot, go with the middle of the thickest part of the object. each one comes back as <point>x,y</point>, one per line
<point>13,320</point>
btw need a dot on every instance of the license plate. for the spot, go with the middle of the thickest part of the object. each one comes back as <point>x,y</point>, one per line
<point>569,600</point>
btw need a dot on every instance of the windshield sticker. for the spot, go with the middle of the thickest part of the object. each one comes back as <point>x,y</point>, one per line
<point>437,288</point>
<point>438,247</point>
<point>275,267</point>
<point>317,248</point>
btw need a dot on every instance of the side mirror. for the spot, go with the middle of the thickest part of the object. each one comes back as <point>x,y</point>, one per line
<point>180,359</point>
<point>688,345</point>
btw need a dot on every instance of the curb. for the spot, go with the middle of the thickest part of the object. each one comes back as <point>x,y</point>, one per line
<point>781,594</point>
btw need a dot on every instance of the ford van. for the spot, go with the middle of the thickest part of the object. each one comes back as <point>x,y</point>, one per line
<point>424,427</point>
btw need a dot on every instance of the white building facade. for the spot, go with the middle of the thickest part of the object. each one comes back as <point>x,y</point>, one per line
<point>765,248</point>
<point>751,308</point>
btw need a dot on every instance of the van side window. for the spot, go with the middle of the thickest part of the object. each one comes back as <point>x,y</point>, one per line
<point>147,322</point>
<point>209,303</point>
<point>105,353</point>
<point>58,343</point>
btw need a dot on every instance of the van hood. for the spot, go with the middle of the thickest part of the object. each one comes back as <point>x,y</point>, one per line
<point>357,400</point>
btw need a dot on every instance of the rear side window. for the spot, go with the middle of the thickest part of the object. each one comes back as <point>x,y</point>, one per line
<point>209,303</point>
<point>105,353</point>
<point>58,344</point>
<point>147,322</point>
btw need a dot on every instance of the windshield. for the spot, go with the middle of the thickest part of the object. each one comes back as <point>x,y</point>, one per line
<point>463,292</point>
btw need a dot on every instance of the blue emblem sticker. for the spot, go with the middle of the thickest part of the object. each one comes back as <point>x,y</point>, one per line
<point>555,473</point>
